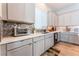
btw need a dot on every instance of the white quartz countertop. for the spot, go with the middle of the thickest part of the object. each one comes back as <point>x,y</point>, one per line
<point>5,40</point>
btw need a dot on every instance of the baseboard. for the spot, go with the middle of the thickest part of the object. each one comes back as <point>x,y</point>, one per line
<point>70,43</point>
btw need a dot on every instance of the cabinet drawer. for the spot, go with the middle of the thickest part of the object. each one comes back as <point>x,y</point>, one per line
<point>38,38</point>
<point>22,51</point>
<point>48,35</point>
<point>18,44</point>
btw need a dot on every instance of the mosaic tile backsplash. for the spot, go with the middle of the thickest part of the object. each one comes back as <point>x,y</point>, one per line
<point>9,26</point>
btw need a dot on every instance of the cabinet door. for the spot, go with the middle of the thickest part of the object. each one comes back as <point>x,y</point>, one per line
<point>75,18</point>
<point>38,48</point>
<point>61,20</point>
<point>52,40</point>
<point>47,43</point>
<point>16,11</point>
<point>64,37</point>
<point>67,19</point>
<point>74,39</point>
<point>3,11</point>
<point>30,12</point>
<point>50,19</point>
<point>21,51</point>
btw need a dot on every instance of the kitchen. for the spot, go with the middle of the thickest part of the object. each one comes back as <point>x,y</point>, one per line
<point>39,29</point>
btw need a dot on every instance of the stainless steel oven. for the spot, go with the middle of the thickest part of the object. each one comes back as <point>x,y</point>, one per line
<point>20,31</point>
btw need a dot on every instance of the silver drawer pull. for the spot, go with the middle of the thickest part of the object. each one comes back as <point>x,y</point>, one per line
<point>22,40</point>
<point>29,44</point>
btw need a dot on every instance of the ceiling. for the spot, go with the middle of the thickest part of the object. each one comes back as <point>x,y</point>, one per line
<point>58,6</point>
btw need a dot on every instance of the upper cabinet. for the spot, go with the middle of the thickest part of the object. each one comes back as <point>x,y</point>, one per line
<point>16,11</point>
<point>65,19</point>
<point>30,12</point>
<point>61,20</point>
<point>24,12</point>
<point>3,14</point>
<point>52,19</point>
<point>75,18</point>
<point>69,19</point>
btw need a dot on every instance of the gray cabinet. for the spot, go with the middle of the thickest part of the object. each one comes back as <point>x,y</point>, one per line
<point>64,37</point>
<point>21,51</point>
<point>20,48</point>
<point>70,37</point>
<point>16,11</point>
<point>75,18</point>
<point>49,40</point>
<point>3,11</point>
<point>22,12</point>
<point>74,38</point>
<point>3,51</point>
<point>30,12</point>
<point>38,46</point>
<point>29,47</point>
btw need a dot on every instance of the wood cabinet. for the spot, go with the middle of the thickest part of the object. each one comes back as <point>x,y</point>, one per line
<point>20,48</point>
<point>38,46</point>
<point>22,12</point>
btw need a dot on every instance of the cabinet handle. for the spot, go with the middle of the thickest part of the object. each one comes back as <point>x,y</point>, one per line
<point>29,44</point>
<point>22,40</point>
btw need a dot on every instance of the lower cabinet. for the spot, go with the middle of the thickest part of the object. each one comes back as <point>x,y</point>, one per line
<point>38,48</point>
<point>74,39</point>
<point>64,37</point>
<point>20,48</point>
<point>49,41</point>
<point>21,51</point>
<point>3,50</point>
<point>29,47</point>
<point>70,37</point>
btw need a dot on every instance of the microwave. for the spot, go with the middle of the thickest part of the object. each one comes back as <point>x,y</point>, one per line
<point>20,31</point>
